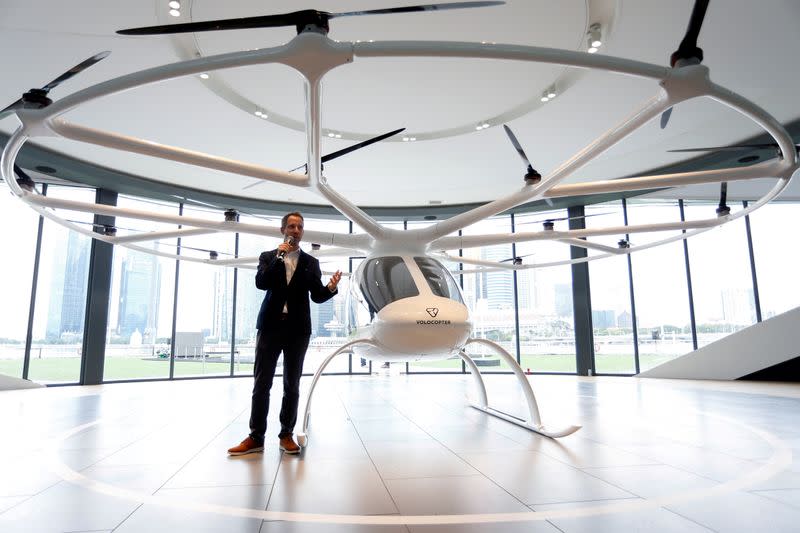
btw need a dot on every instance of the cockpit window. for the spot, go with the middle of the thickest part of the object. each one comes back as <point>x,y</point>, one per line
<point>384,280</point>
<point>439,278</point>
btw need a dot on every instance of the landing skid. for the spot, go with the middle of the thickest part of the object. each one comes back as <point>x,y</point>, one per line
<point>534,423</point>
<point>302,437</point>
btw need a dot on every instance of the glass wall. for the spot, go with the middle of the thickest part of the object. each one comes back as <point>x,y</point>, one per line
<point>138,340</point>
<point>535,324</point>
<point>776,257</point>
<point>722,282</point>
<point>546,322</point>
<point>16,279</point>
<point>490,298</point>
<point>61,296</point>
<point>204,313</point>
<point>612,316</point>
<point>661,289</point>
<point>328,319</point>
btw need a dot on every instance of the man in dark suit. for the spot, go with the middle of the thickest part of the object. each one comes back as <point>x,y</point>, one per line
<point>289,275</point>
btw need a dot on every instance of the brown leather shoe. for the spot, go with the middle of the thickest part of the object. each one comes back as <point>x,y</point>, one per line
<point>248,445</point>
<point>288,445</point>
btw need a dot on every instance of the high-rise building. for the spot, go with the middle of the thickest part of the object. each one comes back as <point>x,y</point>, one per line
<point>139,295</point>
<point>497,287</point>
<point>223,304</point>
<point>66,312</point>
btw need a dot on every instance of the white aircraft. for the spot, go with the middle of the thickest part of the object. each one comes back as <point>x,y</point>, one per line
<point>404,305</point>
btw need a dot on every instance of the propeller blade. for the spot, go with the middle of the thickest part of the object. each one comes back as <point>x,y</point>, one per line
<point>561,218</point>
<point>530,173</point>
<point>517,146</point>
<point>343,151</point>
<point>267,21</point>
<point>516,259</point>
<point>39,96</point>
<point>688,52</point>
<point>299,19</point>
<point>688,48</point>
<point>96,225</point>
<point>183,246</point>
<point>77,69</point>
<point>16,105</point>
<point>362,144</point>
<point>410,9</point>
<point>665,118</point>
<point>23,178</point>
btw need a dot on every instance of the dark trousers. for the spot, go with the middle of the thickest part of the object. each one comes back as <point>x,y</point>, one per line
<point>268,347</point>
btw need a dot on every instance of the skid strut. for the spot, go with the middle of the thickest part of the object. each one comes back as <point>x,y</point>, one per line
<point>302,437</point>
<point>534,423</point>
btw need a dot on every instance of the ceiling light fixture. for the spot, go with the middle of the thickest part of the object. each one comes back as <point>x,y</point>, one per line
<point>174,4</point>
<point>204,75</point>
<point>174,12</point>
<point>482,126</point>
<point>549,94</point>
<point>595,39</point>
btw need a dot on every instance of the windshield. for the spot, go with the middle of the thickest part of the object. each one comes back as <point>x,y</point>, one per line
<point>439,278</point>
<point>384,280</point>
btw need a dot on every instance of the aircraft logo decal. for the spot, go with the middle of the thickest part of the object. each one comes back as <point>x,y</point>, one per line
<point>433,311</point>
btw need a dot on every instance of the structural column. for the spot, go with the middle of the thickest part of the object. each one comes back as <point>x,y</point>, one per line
<point>581,300</point>
<point>97,294</point>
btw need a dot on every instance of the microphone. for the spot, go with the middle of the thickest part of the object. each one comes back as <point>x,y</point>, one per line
<point>289,240</point>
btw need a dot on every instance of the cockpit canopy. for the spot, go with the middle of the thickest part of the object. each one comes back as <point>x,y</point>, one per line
<point>384,280</point>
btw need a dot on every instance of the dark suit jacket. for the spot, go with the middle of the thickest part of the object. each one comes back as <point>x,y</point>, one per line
<point>271,277</point>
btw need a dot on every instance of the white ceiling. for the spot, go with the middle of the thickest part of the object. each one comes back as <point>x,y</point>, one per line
<point>750,48</point>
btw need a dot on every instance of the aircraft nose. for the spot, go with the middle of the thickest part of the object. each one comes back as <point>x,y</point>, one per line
<point>423,326</point>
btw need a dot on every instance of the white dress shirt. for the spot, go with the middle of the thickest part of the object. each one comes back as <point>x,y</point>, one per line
<point>290,263</point>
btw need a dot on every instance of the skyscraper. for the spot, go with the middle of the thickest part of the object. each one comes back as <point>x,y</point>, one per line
<point>68,287</point>
<point>139,295</point>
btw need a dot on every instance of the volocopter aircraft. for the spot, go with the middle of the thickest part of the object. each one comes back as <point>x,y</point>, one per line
<point>403,304</point>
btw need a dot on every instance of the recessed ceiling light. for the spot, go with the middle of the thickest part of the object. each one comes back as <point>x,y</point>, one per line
<point>174,12</point>
<point>204,76</point>
<point>595,38</point>
<point>331,134</point>
<point>174,4</point>
<point>259,113</point>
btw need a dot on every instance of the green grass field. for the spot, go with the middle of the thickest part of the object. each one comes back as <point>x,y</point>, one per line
<point>66,370</point>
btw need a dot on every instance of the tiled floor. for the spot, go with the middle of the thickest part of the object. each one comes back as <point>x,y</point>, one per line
<point>395,453</point>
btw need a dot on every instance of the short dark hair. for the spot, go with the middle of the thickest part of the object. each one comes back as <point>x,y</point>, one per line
<point>285,218</point>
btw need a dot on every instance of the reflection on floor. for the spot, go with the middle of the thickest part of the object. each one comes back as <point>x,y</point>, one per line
<point>397,453</point>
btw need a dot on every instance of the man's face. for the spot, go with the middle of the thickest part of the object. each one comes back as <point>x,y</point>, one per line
<point>294,228</point>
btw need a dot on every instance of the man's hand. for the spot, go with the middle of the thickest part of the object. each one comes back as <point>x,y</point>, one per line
<point>334,280</point>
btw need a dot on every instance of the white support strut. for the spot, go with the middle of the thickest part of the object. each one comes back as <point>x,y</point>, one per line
<point>302,437</point>
<point>535,422</point>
